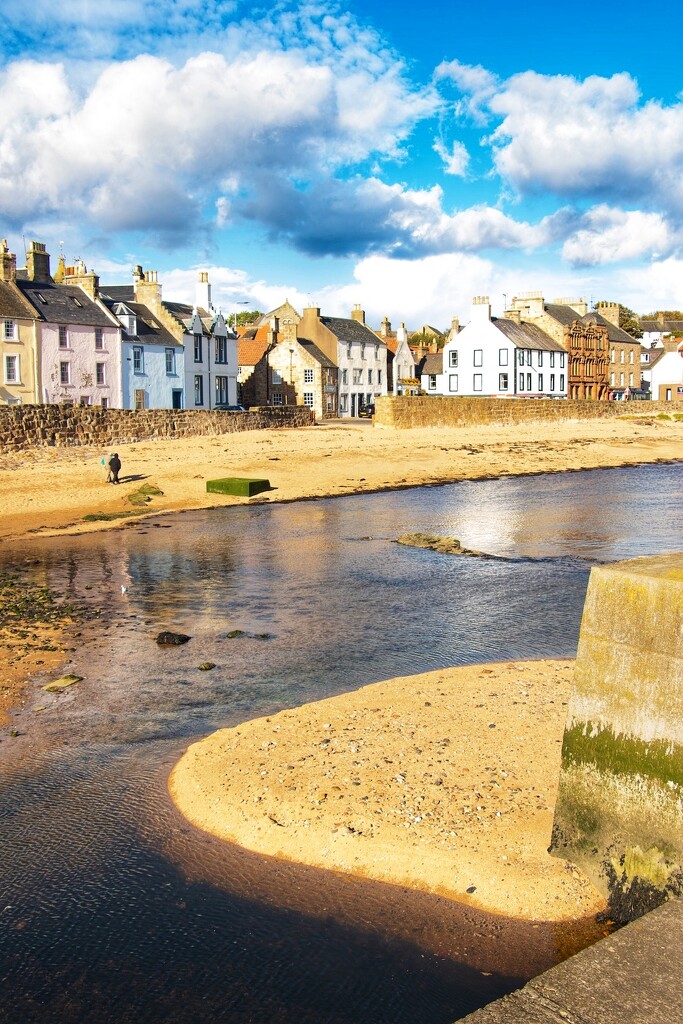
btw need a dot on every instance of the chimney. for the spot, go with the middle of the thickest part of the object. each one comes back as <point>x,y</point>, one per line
<point>385,328</point>
<point>481,308</point>
<point>203,292</point>
<point>610,311</point>
<point>513,314</point>
<point>8,263</point>
<point>289,331</point>
<point>273,331</point>
<point>79,275</point>
<point>530,304</point>
<point>358,314</point>
<point>401,333</point>
<point>38,262</point>
<point>147,288</point>
<point>580,306</point>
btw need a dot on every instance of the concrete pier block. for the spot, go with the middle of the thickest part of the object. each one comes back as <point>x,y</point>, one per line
<point>619,813</point>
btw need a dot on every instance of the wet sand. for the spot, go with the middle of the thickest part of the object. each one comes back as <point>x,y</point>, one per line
<point>352,804</point>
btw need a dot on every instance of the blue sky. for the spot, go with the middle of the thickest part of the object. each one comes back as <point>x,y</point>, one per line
<point>404,156</point>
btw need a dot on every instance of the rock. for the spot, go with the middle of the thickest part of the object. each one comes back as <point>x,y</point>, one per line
<point>169,639</point>
<point>61,684</point>
<point>234,633</point>
<point>206,666</point>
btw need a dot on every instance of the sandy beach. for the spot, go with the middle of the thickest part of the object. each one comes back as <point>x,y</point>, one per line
<point>443,782</point>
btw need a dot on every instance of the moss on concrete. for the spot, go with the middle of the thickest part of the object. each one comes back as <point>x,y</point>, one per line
<point>242,486</point>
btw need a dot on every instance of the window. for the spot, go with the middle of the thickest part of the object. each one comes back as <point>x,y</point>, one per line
<point>561,361</point>
<point>561,382</point>
<point>77,302</point>
<point>630,356</point>
<point>630,380</point>
<point>502,381</point>
<point>221,350</point>
<point>197,348</point>
<point>621,379</point>
<point>477,382</point>
<point>99,373</point>
<point>452,382</point>
<point>432,382</point>
<point>612,379</point>
<point>64,373</point>
<point>308,399</point>
<point>528,382</point>
<point>277,398</point>
<point>41,298</point>
<point>453,357</point>
<point>540,363</point>
<point>552,381</point>
<point>84,400</point>
<point>222,390</point>
<point>308,376</point>
<point>369,375</point>
<point>276,377</point>
<point>348,349</point>
<point>478,356</point>
<point>170,360</point>
<point>138,360</point>
<point>379,377</point>
<point>104,402</point>
<point>502,357</point>
<point>99,338</point>
<point>376,351</point>
<point>362,350</point>
<point>139,399</point>
<point>11,369</point>
<point>63,337</point>
<point>540,381</point>
<point>345,377</point>
<point>357,376</point>
<point>198,389</point>
<point>9,330</point>
<point>343,403</point>
<point>613,356</point>
<point>621,356</point>
<point>552,358</point>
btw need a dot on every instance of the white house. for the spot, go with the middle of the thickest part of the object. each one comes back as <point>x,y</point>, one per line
<point>153,360</point>
<point>662,370</point>
<point>500,358</point>
<point>211,365</point>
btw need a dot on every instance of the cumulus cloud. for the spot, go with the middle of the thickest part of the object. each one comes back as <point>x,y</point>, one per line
<point>456,160</point>
<point>610,235</point>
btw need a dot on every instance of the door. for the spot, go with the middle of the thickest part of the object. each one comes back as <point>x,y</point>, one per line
<point>177,398</point>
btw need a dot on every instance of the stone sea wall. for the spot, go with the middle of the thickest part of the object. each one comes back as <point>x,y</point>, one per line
<point>619,813</point>
<point>62,426</point>
<point>444,411</point>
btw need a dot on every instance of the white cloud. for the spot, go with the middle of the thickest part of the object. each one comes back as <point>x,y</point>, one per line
<point>610,235</point>
<point>456,161</point>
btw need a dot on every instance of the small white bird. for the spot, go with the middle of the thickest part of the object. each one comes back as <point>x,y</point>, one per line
<point>124,590</point>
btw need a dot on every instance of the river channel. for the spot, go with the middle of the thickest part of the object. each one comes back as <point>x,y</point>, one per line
<point>114,909</point>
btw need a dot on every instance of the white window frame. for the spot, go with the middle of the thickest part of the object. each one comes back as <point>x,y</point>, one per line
<point>13,377</point>
<point>65,372</point>
<point>503,382</point>
<point>198,353</point>
<point>552,359</point>
<point>357,375</point>
<point>138,359</point>
<point>63,334</point>
<point>452,382</point>
<point>169,355</point>
<point>502,357</point>
<point>477,382</point>
<point>309,399</point>
<point>478,357</point>
<point>431,382</point>
<point>308,376</point>
<point>453,357</point>
<point>101,372</point>
<point>9,330</point>
<point>99,339</point>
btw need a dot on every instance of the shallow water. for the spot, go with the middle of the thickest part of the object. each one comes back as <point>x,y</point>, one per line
<point>114,908</point>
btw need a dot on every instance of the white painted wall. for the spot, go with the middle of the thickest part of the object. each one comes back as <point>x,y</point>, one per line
<point>368,358</point>
<point>82,358</point>
<point>154,379</point>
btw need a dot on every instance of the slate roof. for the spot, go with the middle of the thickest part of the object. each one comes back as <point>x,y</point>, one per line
<point>563,314</point>
<point>13,305</point>
<point>317,354</point>
<point>614,333</point>
<point>150,329</point>
<point>185,314</point>
<point>119,292</point>
<point>431,363</point>
<point>349,330</point>
<point>661,327</point>
<point>526,335</point>
<point>63,304</point>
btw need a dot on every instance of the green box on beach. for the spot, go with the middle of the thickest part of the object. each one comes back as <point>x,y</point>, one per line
<point>243,486</point>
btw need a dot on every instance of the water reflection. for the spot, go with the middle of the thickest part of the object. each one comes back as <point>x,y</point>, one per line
<point>118,910</point>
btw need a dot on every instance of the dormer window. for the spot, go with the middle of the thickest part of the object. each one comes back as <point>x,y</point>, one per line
<point>41,298</point>
<point>76,302</point>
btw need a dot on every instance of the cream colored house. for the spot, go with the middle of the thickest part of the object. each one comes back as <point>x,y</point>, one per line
<point>19,338</point>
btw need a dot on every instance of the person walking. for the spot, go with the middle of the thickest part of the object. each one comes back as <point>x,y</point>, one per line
<point>114,467</point>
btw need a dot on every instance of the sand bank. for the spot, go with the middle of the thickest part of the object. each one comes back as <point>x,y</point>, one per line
<point>444,782</point>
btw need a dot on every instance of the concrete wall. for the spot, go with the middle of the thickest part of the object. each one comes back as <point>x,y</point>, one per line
<point>66,426</point>
<point>437,411</point>
<point>619,813</point>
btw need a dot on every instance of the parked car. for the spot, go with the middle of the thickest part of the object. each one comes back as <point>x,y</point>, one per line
<point>224,407</point>
<point>368,410</point>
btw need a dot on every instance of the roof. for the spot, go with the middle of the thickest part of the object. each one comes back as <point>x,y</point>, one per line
<point>251,350</point>
<point>563,314</point>
<point>655,355</point>
<point>614,333</point>
<point>120,292</point>
<point>63,304</point>
<point>661,326</point>
<point>350,330</point>
<point>284,312</point>
<point>150,330</point>
<point>526,335</point>
<point>432,363</point>
<point>314,351</point>
<point>13,304</point>
<point>185,314</point>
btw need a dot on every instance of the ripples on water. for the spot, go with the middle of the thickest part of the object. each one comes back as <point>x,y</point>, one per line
<point>116,910</point>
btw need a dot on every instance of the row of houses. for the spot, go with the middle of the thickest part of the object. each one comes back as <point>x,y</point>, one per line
<point>67,338</point>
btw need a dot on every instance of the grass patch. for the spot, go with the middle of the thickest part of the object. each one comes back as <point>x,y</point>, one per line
<point>108,517</point>
<point>144,494</point>
<point>242,486</point>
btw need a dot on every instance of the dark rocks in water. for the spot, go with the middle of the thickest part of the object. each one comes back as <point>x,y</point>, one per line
<point>235,633</point>
<point>444,545</point>
<point>169,639</point>
<point>206,666</point>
